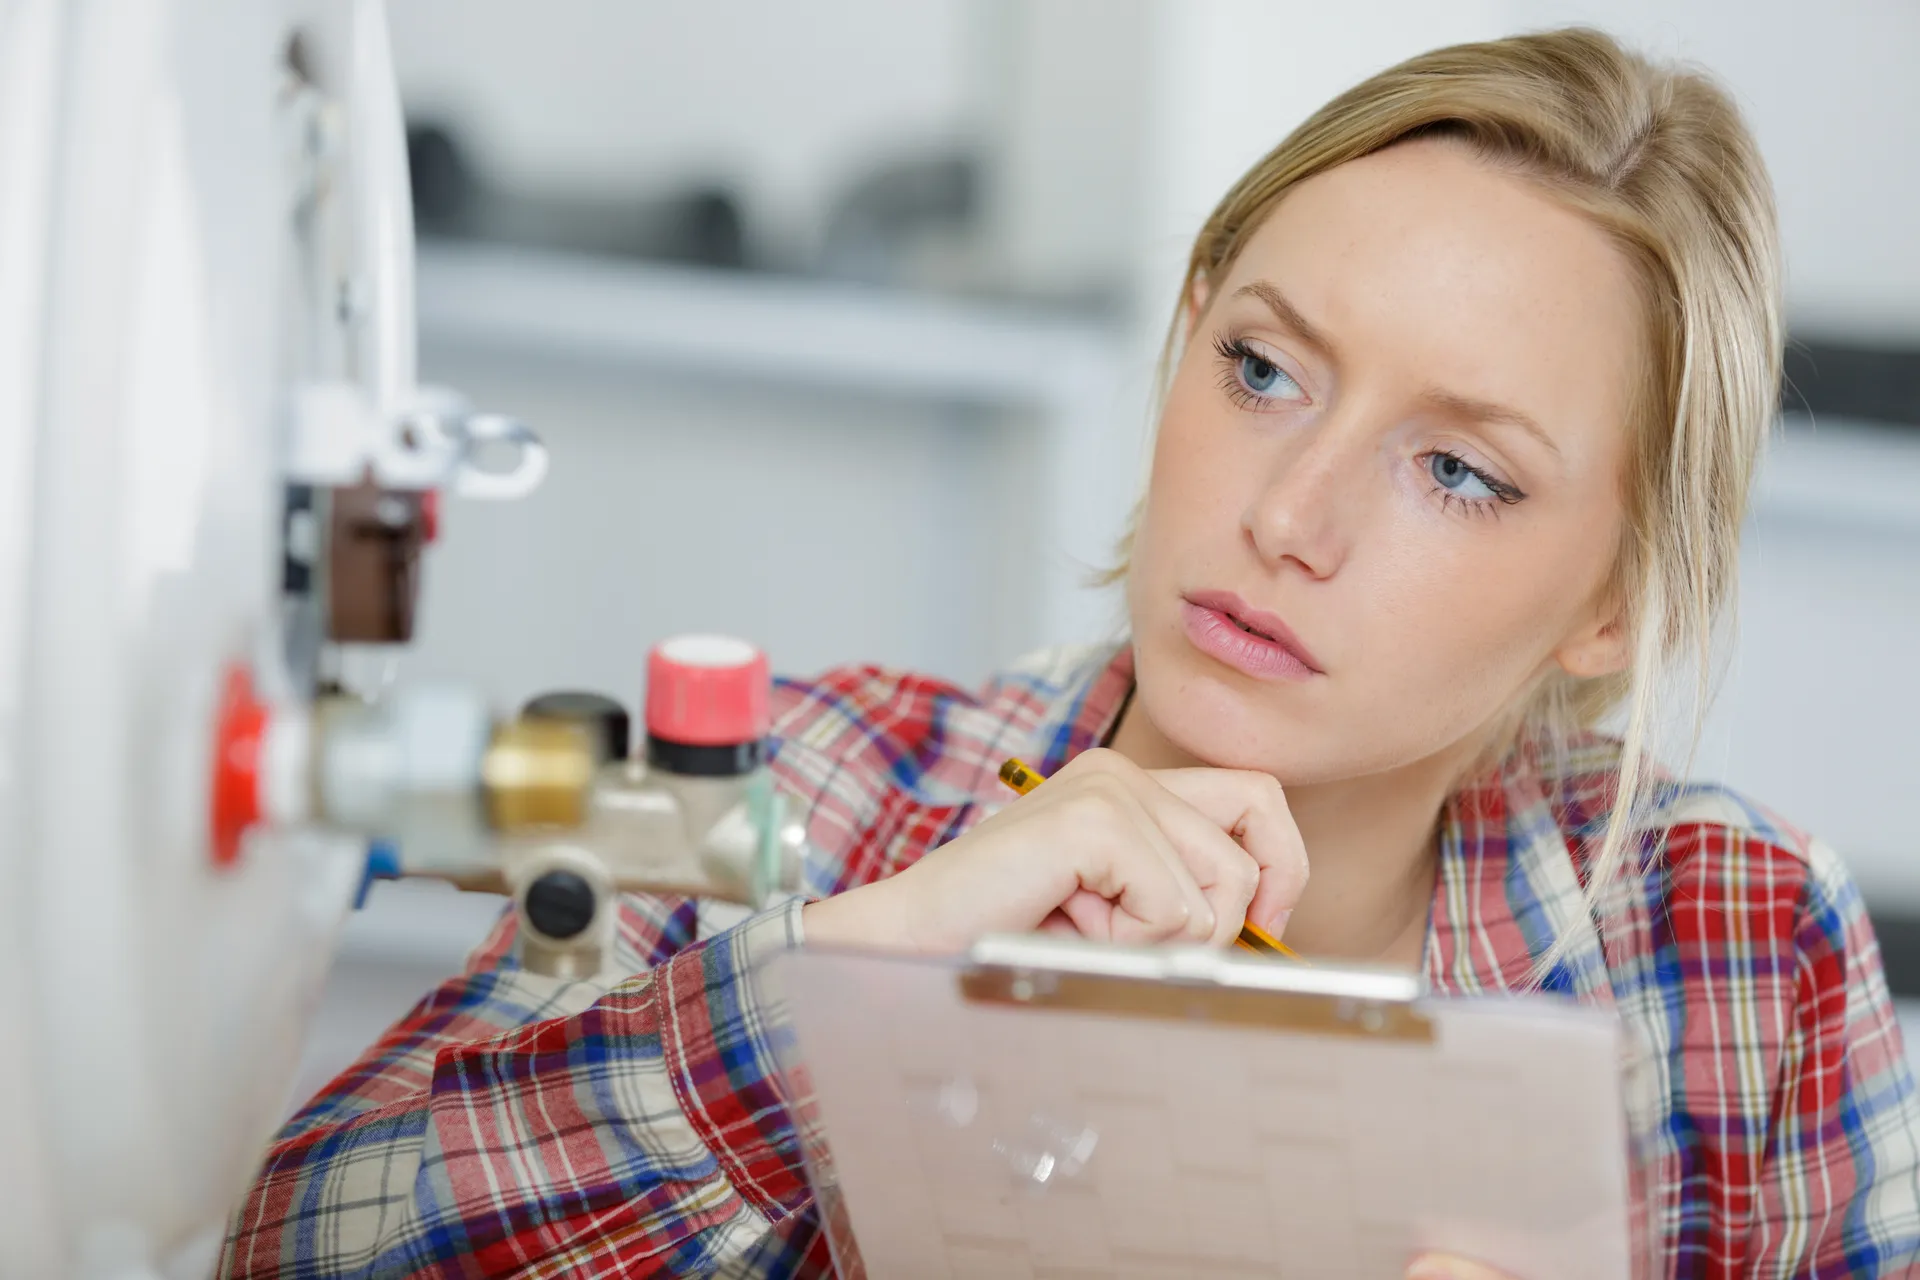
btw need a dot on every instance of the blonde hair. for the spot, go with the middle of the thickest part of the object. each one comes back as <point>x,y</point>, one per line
<point>1659,158</point>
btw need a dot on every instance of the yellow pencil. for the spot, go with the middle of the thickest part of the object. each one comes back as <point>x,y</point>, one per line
<point>1016,774</point>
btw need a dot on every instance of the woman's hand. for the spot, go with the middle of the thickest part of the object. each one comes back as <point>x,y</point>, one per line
<point>1104,849</point>
<point>1441,1266</point>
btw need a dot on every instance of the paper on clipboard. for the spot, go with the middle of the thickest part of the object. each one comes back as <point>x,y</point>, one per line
<point>1053,1108</point>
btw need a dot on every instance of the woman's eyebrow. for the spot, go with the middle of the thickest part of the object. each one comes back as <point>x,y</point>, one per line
<point>1451,403</point>
<point>1468,409</point>
<point>1285,312</point>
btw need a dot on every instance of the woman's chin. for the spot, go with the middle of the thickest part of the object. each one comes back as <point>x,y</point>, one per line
<point>1219,726</point>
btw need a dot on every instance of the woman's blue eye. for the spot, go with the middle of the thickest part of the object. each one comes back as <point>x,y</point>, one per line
<point>1264,377</point>
<point>1251,380</point>
<point>1459,479</point>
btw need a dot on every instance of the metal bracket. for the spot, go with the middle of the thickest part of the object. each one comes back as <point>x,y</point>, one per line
<point>1194,984</point>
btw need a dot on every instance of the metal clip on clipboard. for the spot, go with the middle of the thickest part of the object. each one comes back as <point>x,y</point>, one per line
<point>1195,984</point>
<point>1049,1106</point>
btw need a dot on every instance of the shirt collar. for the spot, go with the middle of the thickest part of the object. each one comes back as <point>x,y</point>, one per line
<point>1088,708</point>
<point>1507,888</point>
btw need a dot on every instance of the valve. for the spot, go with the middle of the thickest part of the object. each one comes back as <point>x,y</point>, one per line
<point>602,717</point>
<point>240,724</point>
<point>697,814</point>
<point>260,757</point>
<point>708,707</point>
<point>560,905</point>
<point>548,806</point>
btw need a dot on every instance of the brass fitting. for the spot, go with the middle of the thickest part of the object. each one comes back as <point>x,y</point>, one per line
<point>538,775</point>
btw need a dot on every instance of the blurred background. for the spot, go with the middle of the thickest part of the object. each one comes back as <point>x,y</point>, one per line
<point>840,319</point>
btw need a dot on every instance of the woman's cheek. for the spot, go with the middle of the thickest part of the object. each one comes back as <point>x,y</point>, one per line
<point>1184,502</point>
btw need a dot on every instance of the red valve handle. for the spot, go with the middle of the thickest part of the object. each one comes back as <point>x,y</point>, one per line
<point>239,726</point>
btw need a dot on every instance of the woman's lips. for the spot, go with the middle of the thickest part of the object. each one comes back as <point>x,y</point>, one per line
<point>1225,628</point>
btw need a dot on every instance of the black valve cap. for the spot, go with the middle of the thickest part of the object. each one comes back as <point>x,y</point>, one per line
<point>604,719</point>
<point>560,904</point>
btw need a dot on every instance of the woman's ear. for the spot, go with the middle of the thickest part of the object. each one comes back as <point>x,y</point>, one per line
<point>1197,297</point>
<point>1600,648</point>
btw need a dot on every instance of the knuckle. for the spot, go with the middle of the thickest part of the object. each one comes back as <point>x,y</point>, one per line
<point>1291,865</point>
<point>1090,795</point>
<point>1248,879</point>
<point>1173,922</point>
<point>1094,807</point>
<point>1094,760</point>
<point>1108,762</point>
<point>1265,794</point>
<point>1078,802</point>
<point>1113,793</point>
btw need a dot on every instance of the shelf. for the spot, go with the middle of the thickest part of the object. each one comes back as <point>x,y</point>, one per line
<point>755,327</point>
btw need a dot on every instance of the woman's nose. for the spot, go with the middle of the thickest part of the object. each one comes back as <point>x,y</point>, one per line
<point>1313,500</point>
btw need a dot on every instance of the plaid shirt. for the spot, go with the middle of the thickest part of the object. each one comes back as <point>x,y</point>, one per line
<point>514,1124</point>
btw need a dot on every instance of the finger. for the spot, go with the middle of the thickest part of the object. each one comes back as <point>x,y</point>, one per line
<point>1060,923</point>
<point>1085,914</point>
<point>1224,870</point>
<point>1252,809</point>
<point>1444,1266</point>
<point>1149,892</point>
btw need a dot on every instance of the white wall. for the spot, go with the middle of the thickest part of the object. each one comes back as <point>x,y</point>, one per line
<point>1068,172</point>
<point>1233,78</point>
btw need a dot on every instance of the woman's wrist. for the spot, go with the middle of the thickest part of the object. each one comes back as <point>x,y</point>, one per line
<point>863,917</point>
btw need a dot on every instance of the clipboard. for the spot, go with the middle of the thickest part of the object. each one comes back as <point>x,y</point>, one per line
<point>1059,1109</point>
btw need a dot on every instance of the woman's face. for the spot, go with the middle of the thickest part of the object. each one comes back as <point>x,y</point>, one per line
<point>1393,447</point>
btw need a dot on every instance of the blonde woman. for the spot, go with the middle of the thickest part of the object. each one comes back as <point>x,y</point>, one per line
<point>1465,391</point>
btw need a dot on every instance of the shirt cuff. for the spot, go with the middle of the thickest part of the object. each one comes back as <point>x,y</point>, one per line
<point>718,1046</point>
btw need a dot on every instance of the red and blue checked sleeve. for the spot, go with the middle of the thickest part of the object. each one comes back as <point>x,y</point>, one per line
<point>639,1132</point>
<point>1839,1187</point>
<point>519,1124</point>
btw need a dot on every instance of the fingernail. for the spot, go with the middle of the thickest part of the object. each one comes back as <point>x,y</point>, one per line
<point>1278,924</point>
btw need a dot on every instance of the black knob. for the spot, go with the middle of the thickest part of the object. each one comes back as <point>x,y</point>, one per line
<point>604,719</point>
<point>560,904</point>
